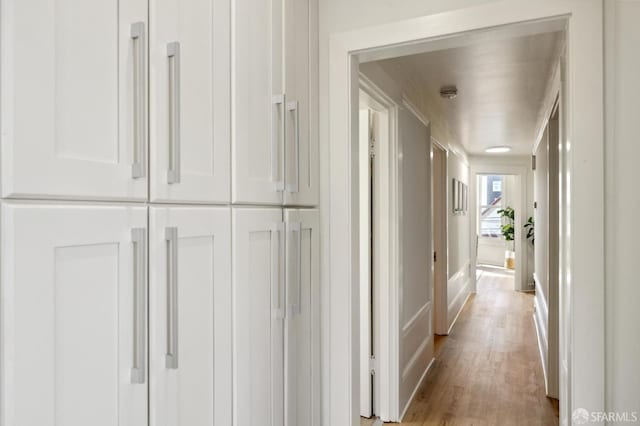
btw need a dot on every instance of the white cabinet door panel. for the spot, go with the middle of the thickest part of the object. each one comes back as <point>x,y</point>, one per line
<point>190,100</point>
<point>258,105</point>
<point>190,314</point>
<point>73,316</point>
<point>302,326</point>
<point>259,308</point>
<point>301,87</point>
<point>74,99</point>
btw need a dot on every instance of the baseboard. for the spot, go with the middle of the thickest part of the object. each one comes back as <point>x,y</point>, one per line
<point>465,289</point>
<point>542,350</point>
<point>413,394</point>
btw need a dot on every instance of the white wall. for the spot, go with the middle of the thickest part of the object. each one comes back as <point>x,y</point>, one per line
<point>622,204</point>
<point>459,282</point>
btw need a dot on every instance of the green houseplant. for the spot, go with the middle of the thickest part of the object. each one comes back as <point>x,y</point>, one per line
<point>508,215</point>
<point>530,226</point>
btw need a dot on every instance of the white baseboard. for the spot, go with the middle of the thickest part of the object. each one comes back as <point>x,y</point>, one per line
<point>413,394</point>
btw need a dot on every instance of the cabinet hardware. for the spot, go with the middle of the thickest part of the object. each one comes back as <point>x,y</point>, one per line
<point>139,239</point>
<point>138,169</point>
<point>173,56</point>
<point>292,107</point>
<point>171,237</point>
<point>278,133</point>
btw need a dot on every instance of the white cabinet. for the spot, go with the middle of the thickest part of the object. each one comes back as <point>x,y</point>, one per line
<point>74,102</point>
<point>73,316</point>
<point>190,108</point>
<point>276,285</point>
<point>301,88</point>
<point>302,324</point>
<point>258,317</point>
<point>190,316</point>
<point>274,102</point>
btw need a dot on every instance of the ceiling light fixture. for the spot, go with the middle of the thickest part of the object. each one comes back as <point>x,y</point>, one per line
<point>498,149</point>
<point>448,92</point>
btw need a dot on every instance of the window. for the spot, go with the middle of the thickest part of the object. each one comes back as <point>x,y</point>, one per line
<point>489,202</point>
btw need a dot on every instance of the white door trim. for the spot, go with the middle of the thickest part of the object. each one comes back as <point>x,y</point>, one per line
<point>583,247</point>
<point>520,282</point>
<point>387,318</point>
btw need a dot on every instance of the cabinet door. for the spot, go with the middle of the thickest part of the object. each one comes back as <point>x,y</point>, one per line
<point>190,314</point>
<point>301,87</point>
<point>302,325</point>
<point>74,99</point>
<point>259,310</point>
<point>258,102</point>
<point>74,315</point>
<point>190,100</point>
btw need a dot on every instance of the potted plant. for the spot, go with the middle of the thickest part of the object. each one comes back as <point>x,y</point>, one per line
<point>508,232</point>
<point>530,227</point>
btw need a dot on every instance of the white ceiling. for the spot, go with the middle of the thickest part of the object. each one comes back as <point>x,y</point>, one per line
<point>501,88</point>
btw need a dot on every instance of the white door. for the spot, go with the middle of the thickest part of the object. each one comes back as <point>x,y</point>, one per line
<point>258,102</point>
<point>74,315</point>
<point>302,325</point>
<point>258,317</point>
<point>301,88</point>
<point>190,316</point>
<point>74,99</point>
<point>416,287</point>
<point>190,100</point>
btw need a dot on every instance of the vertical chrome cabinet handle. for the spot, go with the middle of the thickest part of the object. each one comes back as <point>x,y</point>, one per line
<point>292,107</point>
<point>276,272</point>
<point>278,131</point>
<point>173,55</point>
<point>171,359</point>
<point>138,169</point>
<point>139,239</point>
<point>296,228</point>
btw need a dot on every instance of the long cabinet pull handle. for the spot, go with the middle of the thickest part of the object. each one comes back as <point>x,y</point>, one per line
<point>278,131</point>
<point>171,359</point>
<point>292,108</point>
<point>138,169</point>
<point>139,239</point>
<point>173,56</point>
<point>296,228</point>
<point>277,283</point>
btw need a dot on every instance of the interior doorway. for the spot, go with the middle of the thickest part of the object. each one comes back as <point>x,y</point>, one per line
<point>440,247</point>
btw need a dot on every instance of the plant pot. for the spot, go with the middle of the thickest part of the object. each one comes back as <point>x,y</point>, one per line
<point>510,259</point>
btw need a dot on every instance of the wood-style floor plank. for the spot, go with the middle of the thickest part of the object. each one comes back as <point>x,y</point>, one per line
<point>487,371</point>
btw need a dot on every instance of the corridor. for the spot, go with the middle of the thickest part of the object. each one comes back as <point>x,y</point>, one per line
<point>487,371</point>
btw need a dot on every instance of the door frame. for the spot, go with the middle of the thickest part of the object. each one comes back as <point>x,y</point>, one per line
<point>386,280</point>
<point>582,249</point>
<point>440,239</point>
<point>520,172</point>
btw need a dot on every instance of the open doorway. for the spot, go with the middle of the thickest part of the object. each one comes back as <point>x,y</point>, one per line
<point>342,251</point>
<point>495,226</point>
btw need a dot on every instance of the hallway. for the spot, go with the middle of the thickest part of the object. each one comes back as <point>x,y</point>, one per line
<point>487,372</point>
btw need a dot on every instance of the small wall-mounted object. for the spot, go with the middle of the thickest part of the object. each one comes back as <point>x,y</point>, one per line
<point>460,197</point>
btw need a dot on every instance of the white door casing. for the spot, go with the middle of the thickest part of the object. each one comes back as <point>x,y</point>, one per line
<point>74,99</point>
<point>190,130</point>
<point>190,316</point>
<point>74,315</point>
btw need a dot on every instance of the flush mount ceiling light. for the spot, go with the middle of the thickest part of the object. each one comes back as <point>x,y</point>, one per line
<point>498,149</point>
<point>448,92</point>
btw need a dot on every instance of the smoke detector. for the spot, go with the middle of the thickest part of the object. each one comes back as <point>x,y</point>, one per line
<point>448,92</point>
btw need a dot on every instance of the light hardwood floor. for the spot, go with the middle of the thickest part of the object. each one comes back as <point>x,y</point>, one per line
<point>487,371</point>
